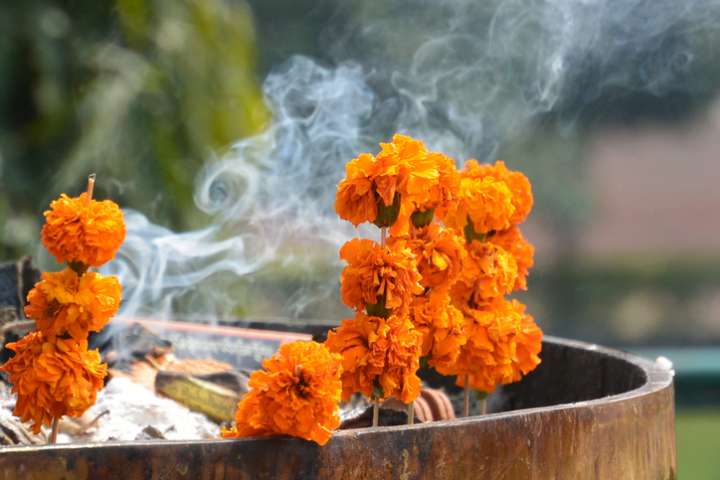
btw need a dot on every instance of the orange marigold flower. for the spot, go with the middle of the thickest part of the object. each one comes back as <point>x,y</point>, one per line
<point>442,329</point>
<point>433,183</point>
<point>517,182</point>
<point>439,252</point>
<point>52,379</point>
<point>513,241</point>
<point>296,393</point>
<point>528,343</point>
<point>446,190</point>
<point>356,199</point>
<point>378,274</point>
<point>503,344</point>
<point>403,166</point>
<point>380,356</point>
<point>67,302</point>
<point>488,272</point>
<point>483,200</point>
<point>400,174</point>
<point>76,230</point>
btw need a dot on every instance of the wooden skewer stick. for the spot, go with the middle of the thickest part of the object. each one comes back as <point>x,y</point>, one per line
<point>54,431</point>
<point>483,405</point>
<point>466,397</point>
<point>383,236</point>
<point>90,186</point>
<point>411,413</point>
<point>376,413</point>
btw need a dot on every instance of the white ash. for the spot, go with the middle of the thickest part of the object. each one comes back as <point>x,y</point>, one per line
<point>131,408</point>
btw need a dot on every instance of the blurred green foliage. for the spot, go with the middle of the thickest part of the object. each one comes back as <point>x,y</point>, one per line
<point>142,92</point>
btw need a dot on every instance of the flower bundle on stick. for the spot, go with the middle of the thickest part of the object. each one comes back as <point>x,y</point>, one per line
<point>381,347</point>
<point>462,230</point>
<point>53,373</point>
<point>503,341</point>
<point>435,288</point>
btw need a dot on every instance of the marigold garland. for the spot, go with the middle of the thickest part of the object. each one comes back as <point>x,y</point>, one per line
<point>53,373</point>
<point>82,230</point>
<point>296,393</point>
<point>425,292</point>
<point>53,378</point>
<point>380,356</point>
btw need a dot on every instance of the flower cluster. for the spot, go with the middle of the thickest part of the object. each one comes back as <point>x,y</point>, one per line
<point>83,230</point>
<point>503,344</point>
<point>442,327</point>
<point>387,188</point>
<point>380,356</point>
<point>380,347</point>
<point>295,393</point>
<point>53,373</point>
<point>503,341</point>
<point>467,262</point>
<point>378,275</point>
<point>53,379</point>
<point>68,303</point>
<point>435,289</point>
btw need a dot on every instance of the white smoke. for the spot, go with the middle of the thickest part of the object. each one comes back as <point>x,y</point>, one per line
<point>465,76</point>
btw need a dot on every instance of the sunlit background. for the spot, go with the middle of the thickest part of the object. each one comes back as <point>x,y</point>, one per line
<point>223,126</point>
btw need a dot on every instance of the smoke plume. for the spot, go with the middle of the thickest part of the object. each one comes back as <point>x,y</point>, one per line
<point>467,77</point>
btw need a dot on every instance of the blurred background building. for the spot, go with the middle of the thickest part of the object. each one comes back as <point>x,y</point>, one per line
<point>612,109</point>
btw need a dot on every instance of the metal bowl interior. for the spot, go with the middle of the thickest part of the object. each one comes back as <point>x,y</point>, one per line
<point>587,412</point>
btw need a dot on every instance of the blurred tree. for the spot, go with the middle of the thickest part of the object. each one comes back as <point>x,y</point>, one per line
<point>139,91</point>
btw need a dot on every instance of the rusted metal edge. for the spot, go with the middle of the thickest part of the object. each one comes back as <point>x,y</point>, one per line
<point>627,435</point>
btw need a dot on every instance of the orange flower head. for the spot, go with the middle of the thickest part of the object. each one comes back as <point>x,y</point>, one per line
<point>517,182</point>
<point>376,274</point>
<point>442,329</point>
<point>65,302</point>
<point>528,343</point>
<point>439,252</point>
<point>404,166</point>
<point>428,180</point>
<point>503,344</point>
<point>488,272</point>
<point>380,356</point>
<point>512,241</point>
<point>78,230</point>
<point>52,379</point>
<point>388,184</point>
<point>483,200</point>
<point>442,193</point>
<point>356,199</point>
<point>296,393</point>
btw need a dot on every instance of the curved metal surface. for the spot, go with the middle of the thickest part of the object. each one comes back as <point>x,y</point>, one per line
<point>587,413</point>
